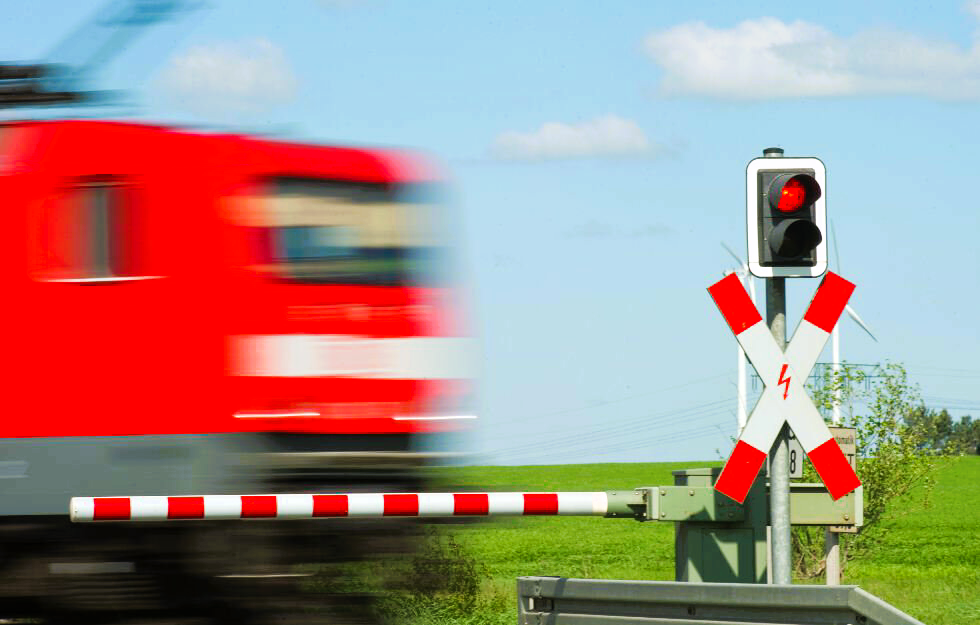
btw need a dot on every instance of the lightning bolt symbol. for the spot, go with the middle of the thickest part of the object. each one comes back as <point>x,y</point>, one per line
<point>784,381</point>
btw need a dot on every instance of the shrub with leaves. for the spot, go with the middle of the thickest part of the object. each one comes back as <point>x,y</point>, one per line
<point>894,455</point>
<point>440,584</point>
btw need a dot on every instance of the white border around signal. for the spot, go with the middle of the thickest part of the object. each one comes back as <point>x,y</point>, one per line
<point>751,217</point>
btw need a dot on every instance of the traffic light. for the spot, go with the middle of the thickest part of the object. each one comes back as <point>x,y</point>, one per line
<point>786,215</point>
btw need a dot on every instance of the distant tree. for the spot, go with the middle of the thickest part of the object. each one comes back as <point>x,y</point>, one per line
<point>940,432</point>
<point>936,428</point>
<point>965,436</point>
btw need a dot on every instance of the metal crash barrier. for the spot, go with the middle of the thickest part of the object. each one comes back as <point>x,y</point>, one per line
<point>566,601</point>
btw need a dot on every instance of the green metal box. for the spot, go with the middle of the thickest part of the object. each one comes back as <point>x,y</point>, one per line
<point>727,542</point>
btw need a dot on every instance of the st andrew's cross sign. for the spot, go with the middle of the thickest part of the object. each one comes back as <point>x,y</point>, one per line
<point>784,398</point>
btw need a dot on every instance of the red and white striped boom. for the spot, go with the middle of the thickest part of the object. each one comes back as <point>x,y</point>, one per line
<point>352,505</point>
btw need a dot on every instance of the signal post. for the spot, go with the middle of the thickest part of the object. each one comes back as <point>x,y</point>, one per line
<point>787,235</point>
<point>786,221</point>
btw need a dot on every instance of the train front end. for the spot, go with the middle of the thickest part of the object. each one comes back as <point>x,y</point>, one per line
<point>194,314</point>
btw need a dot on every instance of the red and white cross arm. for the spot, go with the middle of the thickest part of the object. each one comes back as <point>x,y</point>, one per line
<point>352,505</point>
<point>784,398</point>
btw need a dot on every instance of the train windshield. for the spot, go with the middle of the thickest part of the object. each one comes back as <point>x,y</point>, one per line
<point>341,233</point>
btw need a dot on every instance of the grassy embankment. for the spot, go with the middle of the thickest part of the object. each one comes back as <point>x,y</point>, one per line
<point>927,562</point>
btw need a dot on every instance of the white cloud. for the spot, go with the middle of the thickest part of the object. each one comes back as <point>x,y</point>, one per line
<point>247,76</point>
<point>606,136</point>
<point>768,58</point>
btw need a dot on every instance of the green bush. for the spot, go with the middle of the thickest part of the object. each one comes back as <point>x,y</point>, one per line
<point>895,456</point>
<point>440,584</point>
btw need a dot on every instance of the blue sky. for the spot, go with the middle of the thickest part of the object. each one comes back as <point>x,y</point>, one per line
<point>597,154</point>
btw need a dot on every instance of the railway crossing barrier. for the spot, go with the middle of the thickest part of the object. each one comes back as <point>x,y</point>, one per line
<point>720,547</point>
<point>356,505</point>
<point>717,539</point>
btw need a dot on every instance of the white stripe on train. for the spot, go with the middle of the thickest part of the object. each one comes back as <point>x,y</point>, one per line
<point>322,355</point>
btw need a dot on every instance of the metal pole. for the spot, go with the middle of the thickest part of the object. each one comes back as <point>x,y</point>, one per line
<point>832,554</point>
<point>831,540</point>
<point>835,367</point>
<point>742,361</point>
<point>741,414</point>
<point>779,454</point>
<point>780,543</point>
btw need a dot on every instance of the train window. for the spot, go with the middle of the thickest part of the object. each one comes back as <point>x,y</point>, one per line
<point>326,232</point>
<point>89,234</point>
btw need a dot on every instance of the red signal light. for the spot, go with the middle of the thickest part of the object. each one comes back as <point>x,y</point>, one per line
<point>793,196</point>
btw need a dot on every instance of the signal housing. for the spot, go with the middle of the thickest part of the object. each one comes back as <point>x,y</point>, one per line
<point>786,217</point>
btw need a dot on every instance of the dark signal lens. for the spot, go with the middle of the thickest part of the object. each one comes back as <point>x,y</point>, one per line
<point>792,197</point>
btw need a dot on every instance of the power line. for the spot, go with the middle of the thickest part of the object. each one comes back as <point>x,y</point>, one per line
<point>954,403</point>
<point>611,401</point>
<point>641,420</point>
<point>617,430</point>
<point>618,438</point>
<point>695,433</point>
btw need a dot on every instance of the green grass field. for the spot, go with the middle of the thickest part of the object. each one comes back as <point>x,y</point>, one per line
<point>927,564</point>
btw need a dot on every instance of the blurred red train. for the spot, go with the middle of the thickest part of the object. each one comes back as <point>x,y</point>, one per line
<point>192,313</point>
